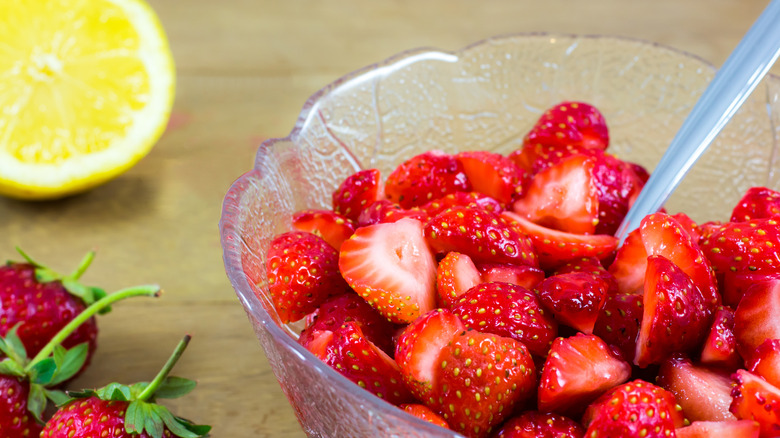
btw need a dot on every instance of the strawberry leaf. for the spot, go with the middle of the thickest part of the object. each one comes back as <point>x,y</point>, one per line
<point>134,418</point>
<point>153,424</point>
<point>43,371</point>
<point>174,387</point>
<point>13,347</point>
<point>58,397</point>
<point>179,426</point>
<point>112,391</point>
<point>36,401</point>
<point>68,362</point>
<point>10,367</point>
<point>77,289</point>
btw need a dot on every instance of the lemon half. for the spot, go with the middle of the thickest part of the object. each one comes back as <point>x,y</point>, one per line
<point>86,89</point>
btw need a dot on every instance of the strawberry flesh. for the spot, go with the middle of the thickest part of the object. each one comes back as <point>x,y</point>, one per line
<point>330,226</point>
<point>757,203</point>
<point>492,174</point>
<point>704,393</point>
<point>619,321</point>
<point>757,317</point>
<point>455,275</point>
<point>720,347</point>
<point>765,361</point>
<point>357,192</point>
<point>426,177</point>
<point>718,429</point>
<point>756,399</point>
<point>575,298</point>
<point>534,424</point>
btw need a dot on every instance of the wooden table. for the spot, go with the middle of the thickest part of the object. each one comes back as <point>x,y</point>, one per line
<point>245,67</point>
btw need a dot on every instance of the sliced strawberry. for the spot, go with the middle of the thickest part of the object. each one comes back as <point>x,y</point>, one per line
<point>520,275</point>
<point>568,125</point>
<point>619,322</point>
<point>745,247</point>
<point>575,298</point>
<point>384,211</point>
<point>455,275</point>
<point>689,225</point>
<point>419,346</point>
<point>733,285</point>
<point>481,379</point>
<point>493,174</point>
<point>577,371</point>
<point>349,352</point>
<point>618,185</point>
<point>425,177</point>
<point>674,318</point>
<point>391,267</point>
<point>563,197</point>
<point>302,273</point>
<point>630,264</point>
<point>756,399</point>
<point>332,227</point>
<point>757,203</point>
<point>533,424</point>
<point>718,429</point>
<point>765,361</point>
<point>720,347</point>
<point>357,192</point>
<point>590,265</point>
<point>424,413</point>
<point>634,409</point>
<point>508,310</point>
<point>556,247</point>
<point>703,393</point>
<point>484,236</point>
<point>757,317</point>
<point>461,199</point>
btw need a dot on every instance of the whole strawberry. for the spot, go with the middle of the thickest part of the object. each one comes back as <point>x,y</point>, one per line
<point>122,411</point>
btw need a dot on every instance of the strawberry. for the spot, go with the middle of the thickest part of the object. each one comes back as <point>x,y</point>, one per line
<point>347,350</point>
<point>461,199</point>
<point>674,318</point>
<point>126,411</point>
<point>484,236</point>
<point>630,263</point>
<point>765,361</point>
<point>424,413</point>
<point>589,265</point>
<point>720,347</point>
<point>693,229</point>
<point>520,275</point>
<point>618,184</point>
<point>563,197</point>
<point>391,267</point>
<point>493,174</point>
<point>455,275</point>
<point>384,211</point>
<point>302,273</point>
<point>718,429</point>
<point>756,399</point>
<point>533,424</point>
<point>577,371</point>
<point>357,192</point>
<point>575,298</point>
<point>757,203</point>
<point>745,247</point>
<point>757,317</point>
<point>15,418</point>
<point>332,227</point>
<point>619,321</point>
<point>510,311</point>
<point>555,247</point>
<point>733,285</point>
<point>703,393</point>
<point>634,409</point>
<point>425,177</point>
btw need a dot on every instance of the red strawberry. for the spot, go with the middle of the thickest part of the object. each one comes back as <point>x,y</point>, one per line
<point>733,285</point>
<point>589,265</point>
<point>718,429</point>
<point>703,393</point>
<point>357,192</point>
<point>384,211</point>
<point>693,229</point>
<point>630,263</point>
<point>618,185</point>
<point>563,197</point>
<point>577,371</point>
<point>391,267</point>
<point>674,318</point>
<point>533,424</point>
<point>520,275</point>
<point>126,411</point>
<point>556,247</point>
<point>634,409</point>
<point>302,272</point>
<point>493,174</point>
<point>765,361</point>
<point>481,379</point>
<point>424,413</point>
<point>745,247</point>
<point>757,203</point>
<point>510,311</point>
<point>757,317</point>
<point>575,298</point>
<point>455,275</point>
<point>15,418</point>
<point>461,199</point>
<point>619,321</point>
<point>332,227</point>
<point>756,399</point>
<point>484,236</point>
<point>720,347</point>
<point>426,177</point>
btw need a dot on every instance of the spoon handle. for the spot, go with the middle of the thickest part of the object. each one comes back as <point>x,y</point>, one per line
<point>732,84</point>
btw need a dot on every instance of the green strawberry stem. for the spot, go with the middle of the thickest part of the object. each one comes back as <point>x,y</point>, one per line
<point>82,267</point>
<point>97,306</point>
<point>149,391</point>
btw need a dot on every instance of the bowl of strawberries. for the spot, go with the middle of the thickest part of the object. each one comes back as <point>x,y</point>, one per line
<point>431,252</point>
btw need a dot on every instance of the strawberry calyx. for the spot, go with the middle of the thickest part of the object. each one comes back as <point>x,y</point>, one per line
<point>143,415</point>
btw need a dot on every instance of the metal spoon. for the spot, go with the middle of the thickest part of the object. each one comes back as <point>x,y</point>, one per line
<point>733,83</point>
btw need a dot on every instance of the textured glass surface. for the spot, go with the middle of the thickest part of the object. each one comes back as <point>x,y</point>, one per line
<point>485,96</point>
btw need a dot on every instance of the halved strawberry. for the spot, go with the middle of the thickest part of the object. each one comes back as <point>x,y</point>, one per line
<point>575,298</point>
<point>493,174</point>
<point>508,310</point>
<point>426,177</point>
<point>757,203</point>
<point>424,413</point>
<point>484,236</point>
<point>461,199</point>
<point>555,247</point>
<point>765,361</point>
<point>392,268</point>
<point>745,247</point>
<point>675,318</point>
<point>533,424</point>
<point>357,192</point>
<point>384,211</point>
<point>756,399</point>
<point>577,371</point>
<point>757,317</point>
<point>720,347</point>
<point>718,429</point>
<point>703,393</point>
<point>302,272</point>
<point>455,275</point>
<point>693,229</point>
<point>563,197</point>
<point>630,263</point>
<point>618,184</point>
<point>520,275</point>
<point>332,227</point>
<point>619,321</point>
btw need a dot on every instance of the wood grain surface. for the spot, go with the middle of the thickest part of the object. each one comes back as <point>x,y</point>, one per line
<point>245,67</point>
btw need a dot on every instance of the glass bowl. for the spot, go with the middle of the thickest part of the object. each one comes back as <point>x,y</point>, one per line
<point>484,96</point>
